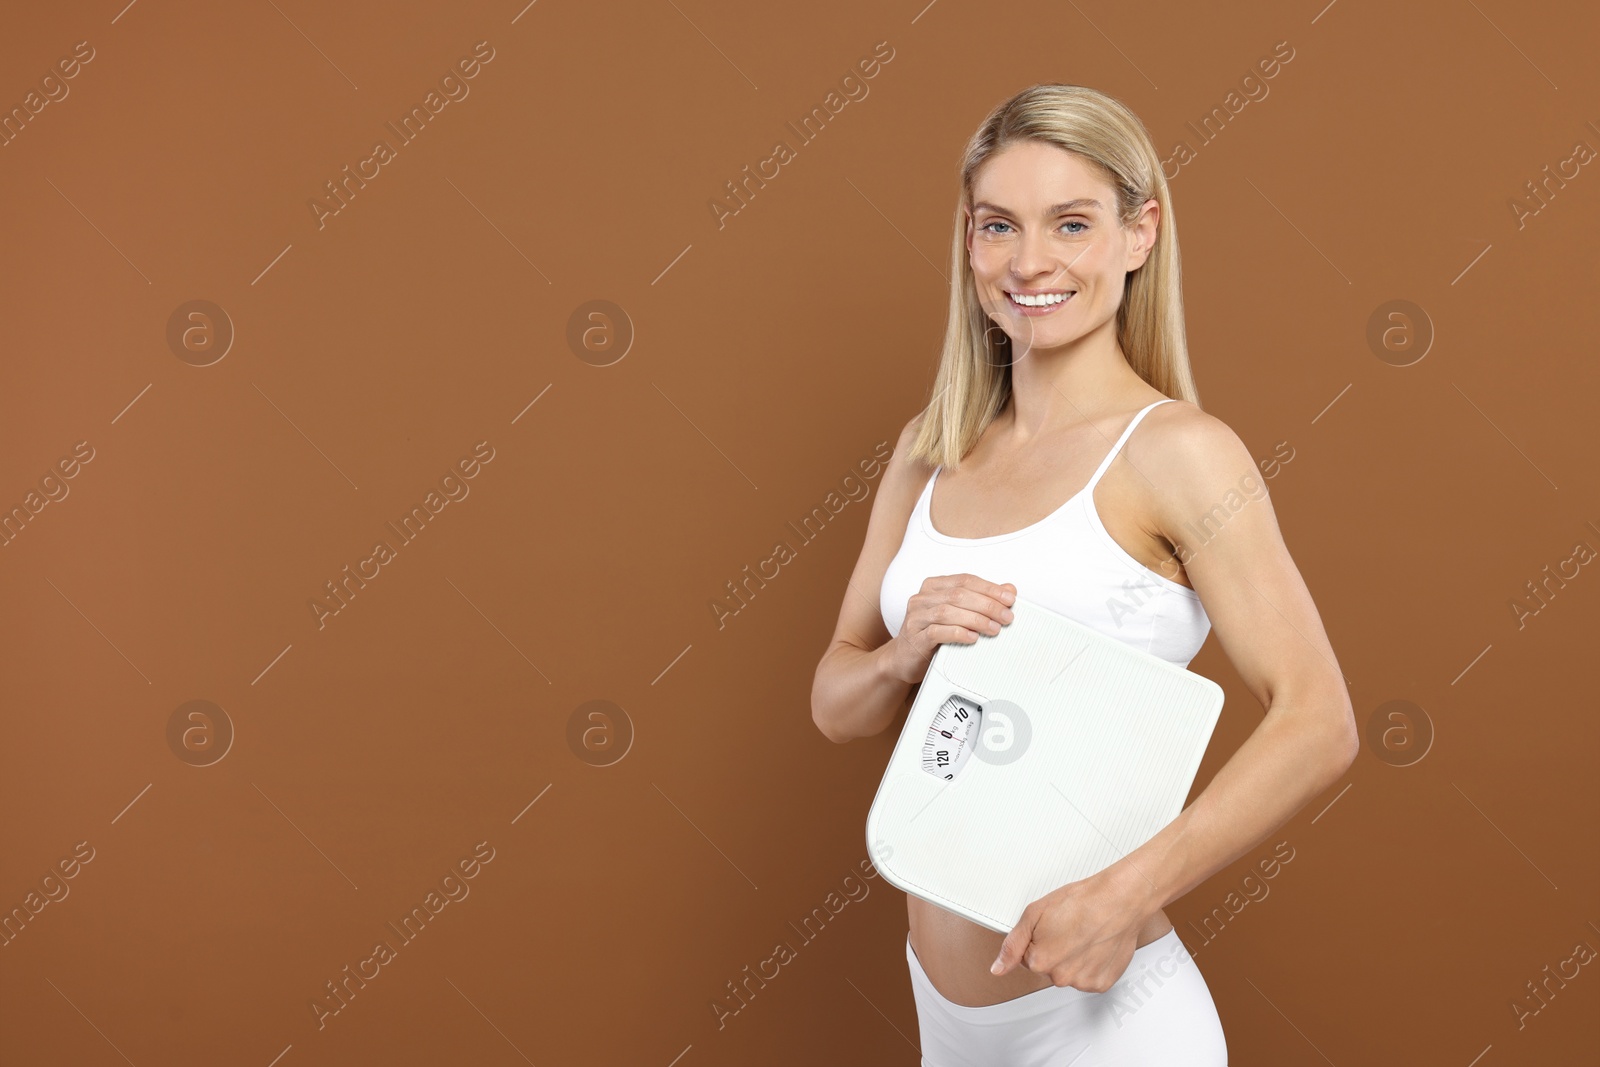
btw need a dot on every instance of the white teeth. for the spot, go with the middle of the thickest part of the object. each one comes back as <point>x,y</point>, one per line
<point>1044,300</point>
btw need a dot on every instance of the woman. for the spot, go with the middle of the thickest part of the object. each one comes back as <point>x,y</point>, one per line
<point>1065,334</point>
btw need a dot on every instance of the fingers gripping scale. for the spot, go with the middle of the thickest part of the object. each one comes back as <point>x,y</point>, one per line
<point>1033,758</point>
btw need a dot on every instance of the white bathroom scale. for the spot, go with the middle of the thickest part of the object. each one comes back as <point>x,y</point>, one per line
<point>1032,758</point>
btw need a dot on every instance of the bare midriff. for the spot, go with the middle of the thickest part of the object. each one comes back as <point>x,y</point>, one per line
<point>957,952</point>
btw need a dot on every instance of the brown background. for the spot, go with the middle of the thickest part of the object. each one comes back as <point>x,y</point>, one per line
<point>770,357</point>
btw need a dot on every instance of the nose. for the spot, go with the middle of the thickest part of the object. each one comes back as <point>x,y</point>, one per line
<point>1032,254</point>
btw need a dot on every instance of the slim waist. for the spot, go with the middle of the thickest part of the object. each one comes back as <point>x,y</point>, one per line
<point>1165,955</point>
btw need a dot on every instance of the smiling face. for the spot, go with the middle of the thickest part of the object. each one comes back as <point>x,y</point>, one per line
<point>1049,256</point>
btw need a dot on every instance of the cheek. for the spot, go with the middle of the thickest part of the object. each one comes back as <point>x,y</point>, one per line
<point>1089,259</point>
<point>987,263</point>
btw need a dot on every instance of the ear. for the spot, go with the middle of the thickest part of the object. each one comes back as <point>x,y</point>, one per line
<point>1145,227</point>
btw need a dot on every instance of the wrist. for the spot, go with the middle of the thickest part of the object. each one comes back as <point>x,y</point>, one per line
<point>884,664</point>
<point>1136,880</point>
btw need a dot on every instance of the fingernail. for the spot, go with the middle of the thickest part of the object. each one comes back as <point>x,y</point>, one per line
<point>994,968</point>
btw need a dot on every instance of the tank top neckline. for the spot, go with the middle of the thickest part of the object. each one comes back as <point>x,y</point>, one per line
<point>925,505</point>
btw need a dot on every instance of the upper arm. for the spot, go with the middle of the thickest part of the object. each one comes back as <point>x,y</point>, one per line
<point>860,621</point>
<point>1213,506</point>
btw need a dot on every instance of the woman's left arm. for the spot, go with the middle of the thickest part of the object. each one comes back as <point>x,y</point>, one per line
<point>1211,503</point>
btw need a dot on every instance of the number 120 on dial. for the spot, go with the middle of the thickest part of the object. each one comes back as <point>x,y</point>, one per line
<point>950,737</point>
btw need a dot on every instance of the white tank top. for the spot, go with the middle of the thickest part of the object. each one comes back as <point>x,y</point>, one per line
<point>1065,561</point>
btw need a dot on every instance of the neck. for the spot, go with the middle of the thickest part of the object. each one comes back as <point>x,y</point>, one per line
<point>1058,388</point>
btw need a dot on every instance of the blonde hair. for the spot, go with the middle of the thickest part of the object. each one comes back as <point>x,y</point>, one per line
<point>973,381</point>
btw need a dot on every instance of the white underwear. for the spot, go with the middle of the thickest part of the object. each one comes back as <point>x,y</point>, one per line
<point>1158,1014</point>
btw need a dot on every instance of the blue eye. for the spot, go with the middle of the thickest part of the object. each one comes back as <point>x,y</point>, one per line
<point>1070,222</point>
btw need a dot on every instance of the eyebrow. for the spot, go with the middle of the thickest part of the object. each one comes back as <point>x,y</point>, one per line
<point>1054,209</point>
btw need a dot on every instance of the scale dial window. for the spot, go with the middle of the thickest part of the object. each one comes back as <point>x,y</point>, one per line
<point>951,735</point>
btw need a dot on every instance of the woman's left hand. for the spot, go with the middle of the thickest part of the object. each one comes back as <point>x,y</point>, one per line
<point>1083,934</point>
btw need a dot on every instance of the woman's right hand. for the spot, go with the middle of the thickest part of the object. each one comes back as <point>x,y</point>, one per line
<point>948,608</point>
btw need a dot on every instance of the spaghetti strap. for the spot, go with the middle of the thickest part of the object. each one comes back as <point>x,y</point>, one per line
<point>1068,560</point>
<point>1105,463</point>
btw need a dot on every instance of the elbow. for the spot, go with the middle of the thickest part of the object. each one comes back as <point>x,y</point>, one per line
<point>819,715</point>
<point>1352,743</point>
<point>1345,750</point>
<point>1328,757</point>
<point>1329,739</point>
<point>825,724</point>
<point>1345,745</point>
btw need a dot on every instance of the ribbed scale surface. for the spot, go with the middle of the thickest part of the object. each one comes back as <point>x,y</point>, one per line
<point>1117,737</point>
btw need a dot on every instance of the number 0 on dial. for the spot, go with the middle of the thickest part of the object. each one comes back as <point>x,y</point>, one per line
<point>950,737</point>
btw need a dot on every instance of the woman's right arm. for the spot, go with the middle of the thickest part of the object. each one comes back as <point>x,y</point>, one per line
<point>864,677</point>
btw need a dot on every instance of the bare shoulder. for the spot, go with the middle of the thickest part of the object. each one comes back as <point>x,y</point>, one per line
<point>1191,460</point>
<point>1186,439</point>
<point>904,472</point>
